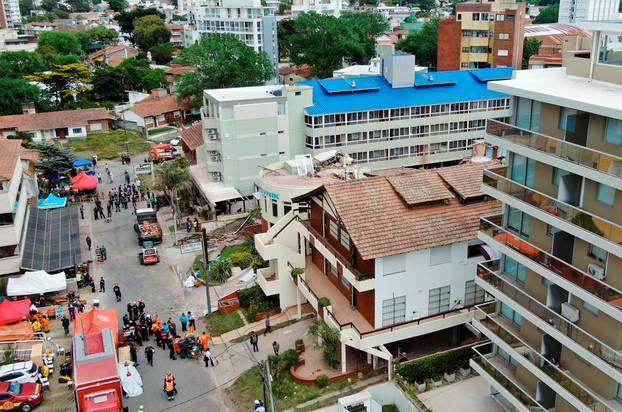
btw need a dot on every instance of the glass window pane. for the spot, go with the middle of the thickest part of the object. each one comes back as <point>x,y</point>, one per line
<point>519,168</point>
<point>613,131</point>
<point>523,113</point>
<point>606,194</point>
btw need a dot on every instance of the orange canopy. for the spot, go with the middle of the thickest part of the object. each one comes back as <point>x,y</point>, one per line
<point>517,243</point>
<point>97,319</point>
<point>17,331</point>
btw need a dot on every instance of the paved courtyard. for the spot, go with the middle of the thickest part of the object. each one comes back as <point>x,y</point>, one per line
<point>469,395</point>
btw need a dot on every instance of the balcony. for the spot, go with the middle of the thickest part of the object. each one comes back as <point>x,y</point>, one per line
<point>506,335</point>
<point>573,220</point>
<point>590,163</point>
<point>512,293</point>
<point>8,235</point>
<point>502,377</point>
<point>267,281</point>
<point>594,291</point>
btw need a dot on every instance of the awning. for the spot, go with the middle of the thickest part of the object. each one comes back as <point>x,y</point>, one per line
<point>35,283</point>
<point>52,202</point>
<point>84,181</point>
<point>214,192</point>
<point>12,311</point>
<point>81,162</point>
<point>52,239</point>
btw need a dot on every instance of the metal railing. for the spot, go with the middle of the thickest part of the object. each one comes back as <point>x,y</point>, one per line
<point>610,231</point>
<point>574,153</point>
<point>487,272</point>
<point>491,227</point>
<point>484,315</point>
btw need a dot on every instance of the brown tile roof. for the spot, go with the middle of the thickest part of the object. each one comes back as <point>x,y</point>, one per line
<point>381,223</point>
<point>116,51</point>
<point>304,70</point>
<point>424,187</point>
<point>177,69</point>
<point>9,153</point>
<point>466,180</point>
<point>193,136</point>
<point>53,120</point>
<point>27,154</point>
<point>174,27</point>
<point>154,106</point>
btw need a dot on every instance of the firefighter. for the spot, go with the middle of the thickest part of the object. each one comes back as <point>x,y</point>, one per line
<point>169,386</point>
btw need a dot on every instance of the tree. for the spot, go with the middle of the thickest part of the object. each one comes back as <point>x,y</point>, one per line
<point>422,44</point>
<point>53,157</point>
<point>162,53</point>
<point>79,6</point>
<point>222,61</point>
<point>117,5</point>
<point>18,64</point>
<point>549,14</point>
<point>59,42</point>
<point>107,84</point>
<point>14,93</point>
<point>530,47</point>
<point>173,178</point>
<point>66,81</point>
<point>126,19</point>
<point>366,27</point>
<point>137,75</point>
<point>103,35</point>
<point>285,29</point>
<point>49,5</point>
<point>150,31</point>
<point>25,7</point>
<point>426,5</point>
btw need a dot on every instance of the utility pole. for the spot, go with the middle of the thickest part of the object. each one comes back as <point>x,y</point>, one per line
<point>206,260</point>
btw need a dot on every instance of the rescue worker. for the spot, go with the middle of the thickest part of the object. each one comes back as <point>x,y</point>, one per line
<point>204,341</point>
<point>149,351</point>
<point>45,323</point>
<point>169,386</point>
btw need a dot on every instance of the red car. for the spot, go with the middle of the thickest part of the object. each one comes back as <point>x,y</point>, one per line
<point>20,396</point>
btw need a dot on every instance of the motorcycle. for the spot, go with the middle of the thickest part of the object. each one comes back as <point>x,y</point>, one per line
<point>193,351</point>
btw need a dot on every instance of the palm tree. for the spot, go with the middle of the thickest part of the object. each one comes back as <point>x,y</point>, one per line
<point>173,178</point>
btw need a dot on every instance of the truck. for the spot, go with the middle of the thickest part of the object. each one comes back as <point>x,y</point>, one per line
<point>147,227</point>
<point>162,152</point>
<point>149,254</point>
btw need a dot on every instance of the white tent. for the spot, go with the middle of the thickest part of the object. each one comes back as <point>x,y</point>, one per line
<point>34,283</point>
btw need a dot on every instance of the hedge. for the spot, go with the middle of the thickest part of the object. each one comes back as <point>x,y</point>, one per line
<point>433,367</point>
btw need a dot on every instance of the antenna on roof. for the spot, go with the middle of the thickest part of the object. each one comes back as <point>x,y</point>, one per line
<point>353,83</point>
<point>430,78</point>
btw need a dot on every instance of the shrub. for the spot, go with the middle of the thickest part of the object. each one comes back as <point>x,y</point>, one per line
<point>250,295</point>
<point>433,367</point>
<point>299,342</point>
<point>297,271</point>
<point>259,263</point>
<point>323,302</point>
<point>322,381</point>
<point>241,259</point>
<point>328,341</point>
<point>290,357</point>
<point>220,270</point>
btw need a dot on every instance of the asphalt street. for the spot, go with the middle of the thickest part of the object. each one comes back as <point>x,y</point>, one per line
<point>159,286</point>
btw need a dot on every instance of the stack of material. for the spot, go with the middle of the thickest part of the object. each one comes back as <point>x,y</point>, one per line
<point>150,229</point>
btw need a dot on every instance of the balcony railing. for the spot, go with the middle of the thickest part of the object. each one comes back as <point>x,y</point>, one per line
<point>567,151</point>
<point>578,217</point>
<point>507,382</point>
<point>487,316</point>
<point>487,272</point>
<point>491,227</point>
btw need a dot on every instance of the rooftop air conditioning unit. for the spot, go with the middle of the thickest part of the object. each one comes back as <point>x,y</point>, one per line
<point>570,312</point>
<point>213,136</point>
<point>596,271</point>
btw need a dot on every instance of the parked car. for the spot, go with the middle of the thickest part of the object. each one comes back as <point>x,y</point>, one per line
<point>21,372</point>
<point>23,397</point>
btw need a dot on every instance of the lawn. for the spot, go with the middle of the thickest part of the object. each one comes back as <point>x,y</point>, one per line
<point>229,250</point>
<point>109,145</point>
<point>161,130</point>
<point>217,323</point>
<point>249,387</point>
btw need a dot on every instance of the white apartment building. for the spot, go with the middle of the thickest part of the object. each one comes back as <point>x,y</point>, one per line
<point>10,16</point>
<point>326,7</point>
<point>398,119</point>
<point>248,20</point>
<point>17,184</point>
<point>578,11</point>
<point>394,253</point>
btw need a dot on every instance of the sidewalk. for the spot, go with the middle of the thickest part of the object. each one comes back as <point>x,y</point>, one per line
<point>290,314</point>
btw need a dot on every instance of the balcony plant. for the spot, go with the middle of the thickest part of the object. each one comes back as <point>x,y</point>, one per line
<point>323,302</point>
<point>296,271</point>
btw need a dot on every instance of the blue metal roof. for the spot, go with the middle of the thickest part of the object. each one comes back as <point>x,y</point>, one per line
<point>444,87</point>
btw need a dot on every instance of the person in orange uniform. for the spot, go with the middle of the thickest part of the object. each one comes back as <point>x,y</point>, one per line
<point>176,344</point>
<point>45,322</point>
<point>204,340</point>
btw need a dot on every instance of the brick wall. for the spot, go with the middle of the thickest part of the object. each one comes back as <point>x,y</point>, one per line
<point>448,53</point>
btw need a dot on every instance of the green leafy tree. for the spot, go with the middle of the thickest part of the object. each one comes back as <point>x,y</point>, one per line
<point>137,75</point>
<point>53,157</point>
<point>220,270</point>
<point>284,7</point>
<point>285,29</point>
<point>66,81</point>
<point>79,6</point>
<point>49,5</point>
<point>25,7</point>
<point>423,44</point>
<point>18,64</point>
<point>162,53</point>
<point>549,14</point>
<point>366,26</point>
<point>103,35</point>
<point>14,93</point>
<point>173,178</point>
<point>59,42</point>
<point>222,61</point>
<point>117,5</point>
<point>530,47</point>
<point>108,84</point>
<point>126,19</point>
<point>150,31</point>
<point>426,5</point>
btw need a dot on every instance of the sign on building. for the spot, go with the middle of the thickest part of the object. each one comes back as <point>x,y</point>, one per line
<point>143,168</point>
<point>191,247</point>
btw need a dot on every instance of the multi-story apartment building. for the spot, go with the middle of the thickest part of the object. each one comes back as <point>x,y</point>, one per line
<point>556,325</point>
<point>399,118</point>
<point>577,11</point>
<point>394,253</point>
<point>10,16</point>
<point>248,20</point>
<point>326,7</point>
<point>482,34</point>
<point>17,184</point>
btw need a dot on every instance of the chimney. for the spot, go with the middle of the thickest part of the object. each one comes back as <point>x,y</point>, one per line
<point>28,108</point>
<point>398,69</point>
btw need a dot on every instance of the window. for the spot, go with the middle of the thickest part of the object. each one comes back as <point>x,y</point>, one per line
<point>475,17</point>
<point>440,255</point>
<point>287,207</point>
<point>523,170</point>
<point>280,108</point>
<point>518,221</point>
<point>619,392</point>
<point>502,53</point>
<point>606,194</point>
<point>500,17</point>
<point>597,253</point>
<point>568,119</point>
<point>438,300</point>
<point>528,114</point>
<point>459,16</point>
<point>333,228</point>
<point>590,308</point>
<point>506,356</point>
<point>613,131</point>
<point>345,282</point>
<point>394,310</point>
<point>504,36</point>
<point>275,208</point>
<point>514,270</point>
<point>344,238</point>
<point>297,93</point>
<point>96,126</point>
<point>551,230</point>
<point>510,315</point>
<point>332,269</point>
<point>558,174</point>
<point>472,293</point>
<point>394,264</point>
<point>76,130</point>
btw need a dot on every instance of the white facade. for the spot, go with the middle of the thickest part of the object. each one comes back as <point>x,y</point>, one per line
<point>12,15</point>
<point>326,7</point>
<point>577,11</point>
